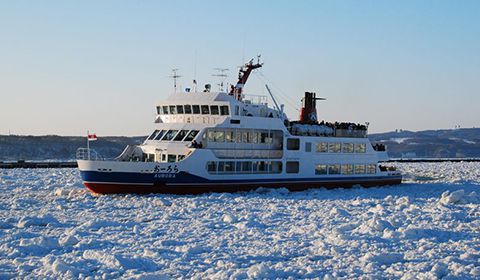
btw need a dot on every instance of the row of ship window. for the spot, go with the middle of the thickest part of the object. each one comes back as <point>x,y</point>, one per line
<point>240,136</point>
<point>345,169</point>
<point>247,167</point>
<point>340,147</point>
<point>173,135</point>
<point>193,109</point>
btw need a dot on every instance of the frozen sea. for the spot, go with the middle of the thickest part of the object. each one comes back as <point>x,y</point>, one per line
<point>426,228</point>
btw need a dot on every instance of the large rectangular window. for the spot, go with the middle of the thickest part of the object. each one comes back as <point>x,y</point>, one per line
<point>165,110</point>
<point>211,167</point>
<point>229,136</point>
<point>169,135</point>
<point>172,158</point>
<point>160,135</point>
<point>322,147</point>
<point>214,109</point>
<point>320,169</point>
<point>219,136</point>
<point>371,168</point>
<point>360,148</point>
<point>180,135</point>
<point>205,110</point>
<point>334,147</point>
<point>347,147</point>
<point>224,110</point>
<point>159,110</point>
<point>188,109</point>
<point>153,135</point>
<point>179,109</point>
<point>196,109</point>
<point>334,169</point>
<point>359,168</point>
<point>308,147</point>
<point>293,144</point>
<point>173,109</point>
<point>347,169</point>
<point>293,167</point>
<point>191,135</point>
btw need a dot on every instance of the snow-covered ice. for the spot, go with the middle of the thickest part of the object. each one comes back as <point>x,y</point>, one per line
<point>426,228</point>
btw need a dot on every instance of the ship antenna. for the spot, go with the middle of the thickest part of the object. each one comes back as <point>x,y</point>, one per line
<point>221,73</point>
<point>175,77</point>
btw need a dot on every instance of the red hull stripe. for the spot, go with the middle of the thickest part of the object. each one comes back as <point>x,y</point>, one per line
<point>192,188</point>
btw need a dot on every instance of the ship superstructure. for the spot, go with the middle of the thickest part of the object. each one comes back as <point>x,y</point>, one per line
<point>228,141</point>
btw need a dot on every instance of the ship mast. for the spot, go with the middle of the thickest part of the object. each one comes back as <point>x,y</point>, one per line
<point>243,75</point>
<point>175,77</point>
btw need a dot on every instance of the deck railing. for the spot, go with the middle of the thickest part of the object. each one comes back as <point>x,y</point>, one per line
<point>88,154</point>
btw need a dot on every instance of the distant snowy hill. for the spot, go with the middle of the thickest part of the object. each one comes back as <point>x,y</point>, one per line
<point>429,143</point>
<point>451,143</point>
<point>59,147</point>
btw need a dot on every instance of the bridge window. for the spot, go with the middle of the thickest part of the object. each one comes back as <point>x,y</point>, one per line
<point>321,169</point>
<point>371,168</point>
<point>179,109</point>
<point>347,147</point>
<point>214,109</point>
<point>205,110</point>
<point>180,135</point>
<point>196,109</point>
<point>169,135</point>
<point>334,169</point>
<point>159,110</point>
<point>360,148</point>
<point>165,110</point>
<point>293,166</point>
<point>293,144</point>
<point>224,110</point>
<point>191,135</point>
<point>159,135</point>
<point>219,136</point>
<point>173,109</point>
<point>322,147</point>
<point>334,147</point>
<point>188,109</point>
<point>153,135</point>
<point>359,168</point>
<point>211,167</point>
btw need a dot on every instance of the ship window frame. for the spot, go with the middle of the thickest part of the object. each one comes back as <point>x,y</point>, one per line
<point>219,136</point>
<point>189,136</point>
<point>321,169</point>
<point>174,111</point>
<point>360,148</point>
<point>360,169</point>
<point>179,134</point>
<point>371,169</point>
<point>196,109</point>
<point>292,167</point>
<point>347,148</point>
<point>229,136</point>
<point>159,111</point>
<point>293,144</point>
<point>211,164</point>
<point>308,147</point>
<point>214,110</point>
<point>171,158</point>
<point>180,109</point>
<point>334,147</point>
<point>321,147</point>
<point>224,112</point>
<point>165,110</point>
<point>152,136</point>
<point>334,169</point>
<point>187,111</point>
<point>159,135</point>
<point>172,132</point>
<point>347,169</point>
<point>205,109</point>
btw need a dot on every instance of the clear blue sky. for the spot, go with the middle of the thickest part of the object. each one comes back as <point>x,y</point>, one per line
<point>70,66</point>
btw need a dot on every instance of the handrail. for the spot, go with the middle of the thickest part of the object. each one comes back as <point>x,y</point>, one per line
<point>88,154</point>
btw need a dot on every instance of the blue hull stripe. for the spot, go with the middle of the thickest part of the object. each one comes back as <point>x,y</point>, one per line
<point>183,178</point>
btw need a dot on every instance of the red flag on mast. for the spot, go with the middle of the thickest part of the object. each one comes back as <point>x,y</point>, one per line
<point>92,137</point>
